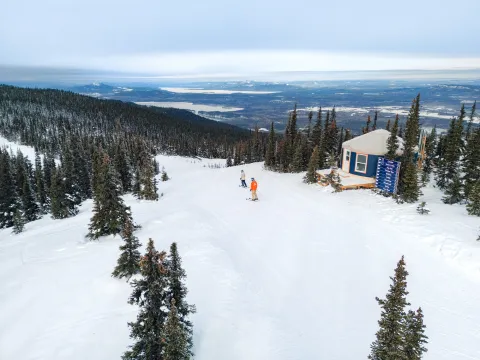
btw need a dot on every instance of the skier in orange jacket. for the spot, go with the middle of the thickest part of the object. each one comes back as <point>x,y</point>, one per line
<point>253,189</point>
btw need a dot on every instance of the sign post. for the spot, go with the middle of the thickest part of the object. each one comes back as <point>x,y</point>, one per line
<point>387,175</point>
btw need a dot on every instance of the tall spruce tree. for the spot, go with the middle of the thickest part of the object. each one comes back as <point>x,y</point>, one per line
<point>128,264</point>
<point>62,205</point>
<point>449,169</point>
<point>298,163</point>
<point>9,203</point>
<point>409,186</point>
<point>473,204</point>
<point>471,162</point>
<point>374,126</point>
<point>392,142</point>
<point>30,208</point>
<point>270,155</point>
<point>175,338</point>
<point>18,222</point>
<point>390,338</point>
<point>311,175</point>
<point>317,130</point>
<point>430,146</point>
<point>471,120</point>
<point>150,295</point>
<point>109,211</point>
<point>367,126</point>
<point>415,338</point>
<point>178,292</point>
<point>387,127</point>
<point>40,185</point>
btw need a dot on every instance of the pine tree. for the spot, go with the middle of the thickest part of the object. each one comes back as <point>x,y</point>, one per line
<point>367,127</point>
<point>178,292</point>
<point>270,155</point>
<point>9,202</point>
<point>128,264</point>
<point>71,176</point>
<point>374,126</point>
<point>415,338</point>
<point>390,338</point>
<point>148,189</point>
<point>388,125</point>
<point>298,162</point>
<point>164,175</point>
<point>40,185</point>
<point>422,208</point>
<point>62,204</point>
<point>430,145</point>
<point>150,296</point>
<point>136,185</point>
<point>471,119</point>
<point>473,205</point>
<point>409,186</point>
<point>311,175</point>
<point>453,191</point>
<point>109,211</point>
<point>18,222</point>
<point>174,337</point>
<point>348,135</point>
<point>392,143</point>
<point>123,169</point>
<point>449,165</point>
<point>30,207</point>
<point>317,130</point>
<point>471,162</point>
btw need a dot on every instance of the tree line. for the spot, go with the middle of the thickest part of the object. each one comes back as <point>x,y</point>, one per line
<point>87,148</point>
<point>453,157</point>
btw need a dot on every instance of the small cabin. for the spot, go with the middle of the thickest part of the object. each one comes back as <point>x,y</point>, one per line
<point>360,154</point>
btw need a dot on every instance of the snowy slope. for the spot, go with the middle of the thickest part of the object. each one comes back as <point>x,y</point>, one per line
<point>293,276</point>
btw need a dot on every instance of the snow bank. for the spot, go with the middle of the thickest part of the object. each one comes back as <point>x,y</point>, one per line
<point>292,276</point>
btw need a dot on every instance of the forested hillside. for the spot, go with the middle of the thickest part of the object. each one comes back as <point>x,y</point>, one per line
<point>77,136</point>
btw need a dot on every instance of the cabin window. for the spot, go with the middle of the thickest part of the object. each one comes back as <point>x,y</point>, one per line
<point>361,163</point>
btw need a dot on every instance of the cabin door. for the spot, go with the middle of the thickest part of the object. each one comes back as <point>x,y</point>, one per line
<point>346,160</point>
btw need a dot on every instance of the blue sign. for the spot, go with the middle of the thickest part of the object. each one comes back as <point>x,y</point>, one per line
<point>387,175</point>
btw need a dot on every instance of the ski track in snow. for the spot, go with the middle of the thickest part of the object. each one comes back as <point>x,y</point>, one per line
<point>292,276</point>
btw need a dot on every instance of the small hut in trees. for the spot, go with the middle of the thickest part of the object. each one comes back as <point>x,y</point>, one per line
<point>360,154</point>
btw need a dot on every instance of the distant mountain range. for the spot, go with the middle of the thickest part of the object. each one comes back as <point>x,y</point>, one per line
<point>250,103</point>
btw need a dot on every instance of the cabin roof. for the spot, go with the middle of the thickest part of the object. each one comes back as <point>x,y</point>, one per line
<point>372,143</point>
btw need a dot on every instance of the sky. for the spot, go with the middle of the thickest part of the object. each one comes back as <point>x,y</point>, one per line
<point>184,38</point>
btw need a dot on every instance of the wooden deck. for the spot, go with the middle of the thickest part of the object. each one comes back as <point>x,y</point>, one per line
<point>348,181</point>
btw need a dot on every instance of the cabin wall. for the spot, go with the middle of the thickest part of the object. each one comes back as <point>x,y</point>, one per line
<point>372,163</point>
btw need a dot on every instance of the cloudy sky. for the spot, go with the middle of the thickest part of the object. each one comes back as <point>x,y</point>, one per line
<point>243,36</point>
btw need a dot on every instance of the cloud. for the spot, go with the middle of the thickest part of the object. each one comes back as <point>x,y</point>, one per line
<point>261,61</point>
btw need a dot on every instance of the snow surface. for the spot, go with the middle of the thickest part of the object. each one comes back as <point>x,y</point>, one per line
<point>292,276</point>
<point>189,106</point>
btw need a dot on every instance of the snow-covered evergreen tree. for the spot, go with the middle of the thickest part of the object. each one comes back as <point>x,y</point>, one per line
<point>270,154</point>
<point>392,142</point>
<point>40,185</point>
<point>9,202</point>
<point>175,338</point>
<point>409,188</point>
<point>150,295</point>
<point>473,204</point>
<point>390,339</point>
<point>415,338</point>
<point>177,290</point>
<point>164,175</point>
<point>422,208</point>
<point>311,175</point>
<point>128,264</point>
<point>18,222</point>
<point>109,211</point>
